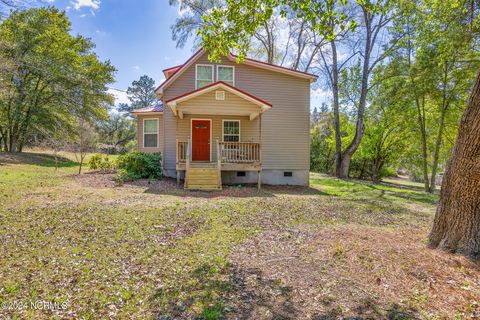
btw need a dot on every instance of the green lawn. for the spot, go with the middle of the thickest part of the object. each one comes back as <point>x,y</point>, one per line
<point>152,250</point>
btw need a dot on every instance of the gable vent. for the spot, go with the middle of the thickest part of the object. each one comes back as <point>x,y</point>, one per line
<point>220,95</point>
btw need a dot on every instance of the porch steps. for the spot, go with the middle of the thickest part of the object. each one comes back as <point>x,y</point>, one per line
<point>203,176</point>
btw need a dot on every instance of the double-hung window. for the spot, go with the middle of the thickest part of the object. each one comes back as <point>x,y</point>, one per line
<point>226,74</point>
<point>231,130</point>
<point>150,133</point>
<point>203,75</point>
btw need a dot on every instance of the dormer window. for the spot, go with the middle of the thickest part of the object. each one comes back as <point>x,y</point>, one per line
<point>226,74</point>
<point>203,75</point>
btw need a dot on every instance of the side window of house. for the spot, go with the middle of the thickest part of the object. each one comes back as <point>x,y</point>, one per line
<point>231,130</point>
<point>226,74</point>
<point>204,75</point>
<point>150,133</point>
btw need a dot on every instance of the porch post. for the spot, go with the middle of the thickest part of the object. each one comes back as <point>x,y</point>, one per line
<point>259,175</point>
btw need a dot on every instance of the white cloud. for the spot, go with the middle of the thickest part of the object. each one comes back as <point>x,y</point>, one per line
<point>319,96</point>
<point>120,96</point>
<point>101,33</point>
<point>320,93</point>
<point>166,58</point>
<point>136,68</point>
<point>92,4</point>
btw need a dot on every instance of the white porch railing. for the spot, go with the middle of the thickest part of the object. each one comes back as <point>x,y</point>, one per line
<point>239,152</point>
<point>227,152</point>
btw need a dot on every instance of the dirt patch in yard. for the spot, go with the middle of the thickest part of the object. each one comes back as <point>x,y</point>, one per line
<point>352,271</point>
<point>168,186</point>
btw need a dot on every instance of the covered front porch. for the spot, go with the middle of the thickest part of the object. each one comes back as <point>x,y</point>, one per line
<point>218,129</point>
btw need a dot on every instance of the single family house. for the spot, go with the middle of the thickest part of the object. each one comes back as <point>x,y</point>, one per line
<point>228,123</point>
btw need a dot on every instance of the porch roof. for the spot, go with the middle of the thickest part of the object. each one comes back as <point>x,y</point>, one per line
<point>157,109</point>
<point>179,110</point>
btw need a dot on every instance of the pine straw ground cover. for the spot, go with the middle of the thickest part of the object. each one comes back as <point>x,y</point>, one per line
<point>151,250</point>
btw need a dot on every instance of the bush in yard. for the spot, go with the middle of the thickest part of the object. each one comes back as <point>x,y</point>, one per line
<point>94,162</point>
<point>102,163</point>
<point>139,165</point>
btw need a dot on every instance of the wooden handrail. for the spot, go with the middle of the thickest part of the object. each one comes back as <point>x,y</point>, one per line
<point>240,152</point>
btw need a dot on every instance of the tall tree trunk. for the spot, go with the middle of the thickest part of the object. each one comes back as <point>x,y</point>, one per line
<point>360,125</point>
<point>362,171</point>
<point>336,110</point>
<point>438,142</point>
<point>376,168</point>
<point>423,138</point>
<point>456,227</point>
<point>436,153</point>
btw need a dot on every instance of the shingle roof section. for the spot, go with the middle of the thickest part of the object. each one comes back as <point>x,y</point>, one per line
<point>156,108</point>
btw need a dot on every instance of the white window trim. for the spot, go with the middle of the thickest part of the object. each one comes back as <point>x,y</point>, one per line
<point>233,73</point>
<point>239,129</point>
<point>158,133</point>
<point>191,134</point>
<point>196,73</point>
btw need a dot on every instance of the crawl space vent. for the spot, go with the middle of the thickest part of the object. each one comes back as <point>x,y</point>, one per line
<point>220,95</point>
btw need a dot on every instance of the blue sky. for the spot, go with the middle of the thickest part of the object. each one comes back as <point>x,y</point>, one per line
<point>134,35</point>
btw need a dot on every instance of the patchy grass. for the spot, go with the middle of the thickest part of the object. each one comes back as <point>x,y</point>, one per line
<point>152,250</point>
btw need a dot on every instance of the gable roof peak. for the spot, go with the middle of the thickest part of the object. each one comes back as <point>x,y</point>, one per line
<point>174,72</point>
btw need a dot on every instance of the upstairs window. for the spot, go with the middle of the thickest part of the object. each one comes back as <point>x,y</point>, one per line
<point>231,130</point>
<point>203,75</point>
<point>226,74</point>
<point>150,133</point>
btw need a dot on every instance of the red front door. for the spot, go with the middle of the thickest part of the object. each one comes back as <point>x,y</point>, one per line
<point>200,140</point>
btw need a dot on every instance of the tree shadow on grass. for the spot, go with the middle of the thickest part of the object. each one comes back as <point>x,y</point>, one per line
<point>368,310</point>
<point>418,196</point>
<point>38,159</point>
<point>245,293</point>
<point>234,293</point>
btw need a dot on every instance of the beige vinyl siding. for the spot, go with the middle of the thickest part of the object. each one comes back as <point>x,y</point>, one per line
<point>285,127</point>
<point>207,104</point>
<point>140,133</point>
<point>248,129</point>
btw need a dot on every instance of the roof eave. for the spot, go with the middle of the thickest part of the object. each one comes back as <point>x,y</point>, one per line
<point>177,73</point>
<point>146,113</point>
<point>272,67</point>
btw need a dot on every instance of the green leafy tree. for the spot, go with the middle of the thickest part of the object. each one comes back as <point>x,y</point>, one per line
<point>387,132</point>
<point>117,131</point>
<point>438,60</point>
<point>141,94</point>
<point>50,75</point>
<point>231,27</point>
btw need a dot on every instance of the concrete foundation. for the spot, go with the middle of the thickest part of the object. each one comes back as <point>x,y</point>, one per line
<point>272,177</point>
